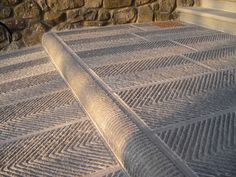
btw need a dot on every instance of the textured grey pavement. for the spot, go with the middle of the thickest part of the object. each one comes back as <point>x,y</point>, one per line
<point>43,129</point>
<point>179,84</point>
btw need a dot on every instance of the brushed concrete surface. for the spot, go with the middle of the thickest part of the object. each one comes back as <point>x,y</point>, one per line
<point>129,100</point>
<point>179,82</point>
<point>43,129</point>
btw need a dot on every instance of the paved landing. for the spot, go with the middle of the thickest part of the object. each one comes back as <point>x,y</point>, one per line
<point>180,82</point>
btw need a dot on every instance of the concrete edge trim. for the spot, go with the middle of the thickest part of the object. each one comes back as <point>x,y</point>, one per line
<point>62,51</point>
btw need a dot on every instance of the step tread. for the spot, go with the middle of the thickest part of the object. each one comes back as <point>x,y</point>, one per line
<point>207,12</point>
<point>225,5</point>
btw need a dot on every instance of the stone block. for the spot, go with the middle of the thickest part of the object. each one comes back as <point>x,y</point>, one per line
<point>28,9</point>
<point>33,34</point>
<point>104,15</point>
<point>4,3</point>
<point>16,36</point>
<point>65,4</point>
<point>185,3</point>
<point>155,7</point>
<point>145,14</point>
<point>116,3</point>
<point>93,3</point>
<point>16,24</point>
<point>90,14</point>
<point>5,12</point>
<point>141,2</point>
<point>163,16</point>
<point>167,6</point>
<point>13,2</point>
<point>42,4</point>
<point>75,15</point>
<point>2,34</point>
<point>53,17</point>
<point>124,16</point>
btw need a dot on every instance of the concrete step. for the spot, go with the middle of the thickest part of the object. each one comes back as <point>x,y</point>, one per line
<point>139,100</point>
<point>120,126</point>
<point>175,84</point>
<point>209,18</point>
<point>225,5</point>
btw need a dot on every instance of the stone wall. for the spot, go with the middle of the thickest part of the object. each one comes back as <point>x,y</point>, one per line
<point>29,19</point>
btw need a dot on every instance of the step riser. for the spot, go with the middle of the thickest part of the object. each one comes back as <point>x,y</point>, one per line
<point>209,22</point>
<point>228,6</point>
